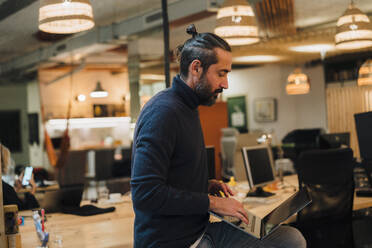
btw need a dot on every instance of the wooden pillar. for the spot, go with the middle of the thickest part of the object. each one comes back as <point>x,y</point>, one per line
<point>3,241</point>
<point>134,78</point>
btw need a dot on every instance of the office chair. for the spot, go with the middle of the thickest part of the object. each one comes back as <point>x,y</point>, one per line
<point>228,147</point>
<point>73,172</point>
<point>328,176</point>
<point>300,140</point>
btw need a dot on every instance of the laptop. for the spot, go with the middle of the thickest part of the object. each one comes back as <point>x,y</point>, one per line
<point>261,227</point>
<point>67,196</point>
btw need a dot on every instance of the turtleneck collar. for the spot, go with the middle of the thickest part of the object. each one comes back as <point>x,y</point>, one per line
<point>185,92</point>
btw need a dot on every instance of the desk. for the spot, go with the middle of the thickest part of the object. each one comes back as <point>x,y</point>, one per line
<point>40,189</point>
<point>114,230</point>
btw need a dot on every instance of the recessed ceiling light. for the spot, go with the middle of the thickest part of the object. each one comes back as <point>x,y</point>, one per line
<point>257,58</point>
<point>313,48</point>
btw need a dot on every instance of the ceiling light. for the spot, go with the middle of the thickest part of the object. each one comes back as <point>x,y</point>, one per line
<point>354,29</point>
<point>298,83</point>
<point>365,73</point>
<point>65,16</point>
<point>313,48</point>
<point>98,92</point>
<point>236,23</point>
<point>256,59</point>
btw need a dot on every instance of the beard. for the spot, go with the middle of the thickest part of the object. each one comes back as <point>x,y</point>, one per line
<point>203,90</point>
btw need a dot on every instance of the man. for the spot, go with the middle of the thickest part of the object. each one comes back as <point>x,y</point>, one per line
<point>169,179</point>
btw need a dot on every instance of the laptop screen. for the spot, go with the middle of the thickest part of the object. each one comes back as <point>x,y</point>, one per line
<point>285,210</point>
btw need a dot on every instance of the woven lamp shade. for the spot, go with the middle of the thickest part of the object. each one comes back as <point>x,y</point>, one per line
<point>354,30</point>
<point>236,23</point>
<point>365,73</point>
<point>65,16</point>
<point>298,83</point>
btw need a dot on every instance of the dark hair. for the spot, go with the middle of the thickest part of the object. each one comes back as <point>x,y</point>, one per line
<point>200,46</point>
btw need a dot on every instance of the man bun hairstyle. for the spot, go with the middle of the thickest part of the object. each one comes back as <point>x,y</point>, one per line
<point>201,47</point>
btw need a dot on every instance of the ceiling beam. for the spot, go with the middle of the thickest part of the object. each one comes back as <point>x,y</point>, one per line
<point>9,7</point>
<point>110,33</point>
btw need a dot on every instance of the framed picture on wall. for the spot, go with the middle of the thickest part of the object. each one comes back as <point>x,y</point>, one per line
<point>265,109</point>
<point>237,112</point>
<point>100,110</point>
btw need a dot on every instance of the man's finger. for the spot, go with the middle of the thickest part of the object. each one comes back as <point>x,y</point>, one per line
<point>242,217</point>
<point>244,213</point>
<point>229,190</point>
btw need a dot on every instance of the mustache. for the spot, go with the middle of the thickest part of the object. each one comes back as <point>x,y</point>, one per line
<point>218,90</point>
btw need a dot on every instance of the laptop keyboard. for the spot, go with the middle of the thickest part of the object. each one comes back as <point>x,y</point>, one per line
<point>250,227</point>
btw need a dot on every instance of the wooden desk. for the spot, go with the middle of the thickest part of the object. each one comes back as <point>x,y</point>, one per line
<point>40,189</point>
<point>114,230</point>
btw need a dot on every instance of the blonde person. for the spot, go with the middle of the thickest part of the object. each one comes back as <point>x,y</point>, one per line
<point>9,193</point>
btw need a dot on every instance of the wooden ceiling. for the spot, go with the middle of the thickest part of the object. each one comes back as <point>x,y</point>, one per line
<point>275,17</point>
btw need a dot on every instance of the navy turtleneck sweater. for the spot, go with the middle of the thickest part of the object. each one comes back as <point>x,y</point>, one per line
<point>169,180</point>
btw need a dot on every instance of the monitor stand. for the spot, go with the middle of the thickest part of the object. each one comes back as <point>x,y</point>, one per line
<point>259,192</point>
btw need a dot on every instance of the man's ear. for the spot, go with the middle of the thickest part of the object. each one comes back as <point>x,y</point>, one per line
<point>195,68</point>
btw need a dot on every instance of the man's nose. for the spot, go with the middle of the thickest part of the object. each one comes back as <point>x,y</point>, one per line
<point>225,84</point>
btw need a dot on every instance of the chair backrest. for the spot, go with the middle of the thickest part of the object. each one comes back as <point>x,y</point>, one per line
<point>104,162</point>
<point>328,176</point>
<point>73,171</point>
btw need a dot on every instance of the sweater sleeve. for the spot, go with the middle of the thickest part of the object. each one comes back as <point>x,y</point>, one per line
<point>154,143</point>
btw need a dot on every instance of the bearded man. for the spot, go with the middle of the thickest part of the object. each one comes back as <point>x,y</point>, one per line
<point>170,189</point>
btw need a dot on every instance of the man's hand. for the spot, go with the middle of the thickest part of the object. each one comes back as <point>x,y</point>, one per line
<point>228,206</point>
<point>214,187</point>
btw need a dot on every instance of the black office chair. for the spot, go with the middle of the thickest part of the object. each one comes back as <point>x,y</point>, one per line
<point>328,176</point>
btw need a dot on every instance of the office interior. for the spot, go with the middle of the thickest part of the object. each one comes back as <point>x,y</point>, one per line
<point>47,81</point>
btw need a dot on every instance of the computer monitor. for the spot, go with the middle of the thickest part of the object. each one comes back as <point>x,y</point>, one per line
<point>363,124</point>
<point>335,140</point>
<point>259,167</point>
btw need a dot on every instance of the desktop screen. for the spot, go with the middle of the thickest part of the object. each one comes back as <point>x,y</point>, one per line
<point>363,124</point>
<point>259,165</point>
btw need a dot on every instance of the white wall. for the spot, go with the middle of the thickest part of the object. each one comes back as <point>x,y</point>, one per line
<point>294,111</point>
<point>14,97</point>
<point>33,106</point>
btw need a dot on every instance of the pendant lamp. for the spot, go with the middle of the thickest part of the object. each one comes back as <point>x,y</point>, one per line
<point>298,83</point>
<point>65,16</point>
<point>236,23</point>
<point>365,73</point>
<point>98,92</point>
<point>354,29</point>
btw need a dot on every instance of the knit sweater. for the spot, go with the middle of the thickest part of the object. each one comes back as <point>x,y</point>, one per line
<point>169,180</point>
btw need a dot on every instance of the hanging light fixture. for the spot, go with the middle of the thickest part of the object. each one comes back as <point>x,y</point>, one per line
<point>98,92</point>
<point>298,83</point>
<point>65,16</point>
<point>354,29</point>
<point>236,23</point>
<point>365,73</point>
